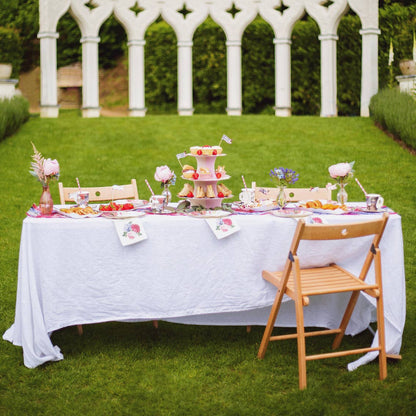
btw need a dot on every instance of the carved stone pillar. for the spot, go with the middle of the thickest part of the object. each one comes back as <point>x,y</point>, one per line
<point>369,68</point>
<point>328,75</point>
<point>282,74</point>
<point>136,78</point>
<point>185,101</point>
<point>234,88</point>
<point>48,74</point>
<point>90,83</point>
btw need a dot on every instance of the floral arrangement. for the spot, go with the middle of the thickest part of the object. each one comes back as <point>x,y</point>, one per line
<point>43,169</point>
<point>165,176</point>
<point>283,176</point>
<point>341,172</point>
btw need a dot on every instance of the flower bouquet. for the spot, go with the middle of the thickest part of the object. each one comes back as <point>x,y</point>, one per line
<point>45,170</point>
<point>283,178</point>
<point>166,177</point>
<point>341,172</point>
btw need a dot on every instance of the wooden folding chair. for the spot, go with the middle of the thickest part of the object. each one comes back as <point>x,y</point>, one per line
<point>103,193</point>
<point>293,194</point>
<point>299,284</point>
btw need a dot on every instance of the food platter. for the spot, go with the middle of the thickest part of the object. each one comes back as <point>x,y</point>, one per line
<point>239,206</point>
<point>78,212</point>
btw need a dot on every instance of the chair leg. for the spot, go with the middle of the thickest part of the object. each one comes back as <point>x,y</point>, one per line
<point>248,329</point>
<point>270,324</point>
<point>155,324</point>
<point>300,332</point>
<point>345,319</point>
<point>80,329</point>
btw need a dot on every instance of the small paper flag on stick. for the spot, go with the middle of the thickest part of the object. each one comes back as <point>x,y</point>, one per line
<point>179,156</point>
<point>226,139</point>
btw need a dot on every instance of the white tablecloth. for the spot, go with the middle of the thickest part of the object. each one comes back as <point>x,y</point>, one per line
<point>77,272</point>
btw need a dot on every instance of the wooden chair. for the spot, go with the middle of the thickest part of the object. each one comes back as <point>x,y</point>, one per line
<point>293,194</point>
<point>103,193</point>
<point>299,284</point>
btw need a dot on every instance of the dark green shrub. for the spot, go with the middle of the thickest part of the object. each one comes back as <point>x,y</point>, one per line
<point>11,49</point>
<point>395,112</point>
<point>13,113</point>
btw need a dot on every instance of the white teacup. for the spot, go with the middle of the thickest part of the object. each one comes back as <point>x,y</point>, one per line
<point>82,198</point>
<point>157,202</point>
<point>247,196</point>
<point>374,202</point>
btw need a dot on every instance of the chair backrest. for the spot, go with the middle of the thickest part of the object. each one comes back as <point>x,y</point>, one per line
<point>103,193</point>
<point>294,194</point>
<point>339,232</point>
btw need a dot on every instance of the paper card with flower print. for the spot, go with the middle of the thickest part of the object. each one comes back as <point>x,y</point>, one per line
<point>223,227</point>
<point>130,231</point>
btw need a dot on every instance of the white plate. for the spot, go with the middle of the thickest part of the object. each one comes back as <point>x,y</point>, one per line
<point>77,216</point>
<point>291,213</point>
<point>238,206</point>
<point>209,214</point>
<point>114,215</point>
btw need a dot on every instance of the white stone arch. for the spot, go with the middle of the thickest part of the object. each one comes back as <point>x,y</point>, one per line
<point>367,10</point>
<point>282,24</point>
<point>328,19</point>
<point>49,15</point>
<point>184,26</point>
<point>135,25</point>
<point>89,22</point>
<point>234,28</point>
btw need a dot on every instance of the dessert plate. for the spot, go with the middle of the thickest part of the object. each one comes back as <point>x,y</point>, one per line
<point>291,213</point>
<point>79,216</point>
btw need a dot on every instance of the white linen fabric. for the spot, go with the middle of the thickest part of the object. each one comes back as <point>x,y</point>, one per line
<point>77,272</point>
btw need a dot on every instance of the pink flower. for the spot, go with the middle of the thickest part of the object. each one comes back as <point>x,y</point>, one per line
<point>227,221</point>
<point>163,174</point>
<point>50,167</point>
<point>131,235</point>
<point>339,170</point>
<point>135,228</point>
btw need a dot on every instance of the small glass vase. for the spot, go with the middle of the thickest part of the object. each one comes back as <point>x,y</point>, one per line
<point>342,196</point>
<point>46,202</point>
<point>281,201</point>
<point>167,193</point>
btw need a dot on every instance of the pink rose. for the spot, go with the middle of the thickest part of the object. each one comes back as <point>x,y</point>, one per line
<point>339,170</point>
<point>50,167</point>
<point>227,221</point>
<point>135,228</point>
<point>163,174</point>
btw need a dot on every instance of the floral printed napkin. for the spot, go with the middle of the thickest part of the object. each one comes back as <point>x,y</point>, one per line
<point>130,231</point>
<point>223,227</point>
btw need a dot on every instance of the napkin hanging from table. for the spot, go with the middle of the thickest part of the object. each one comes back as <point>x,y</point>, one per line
<point>223,227</point>
<point>130,231</point>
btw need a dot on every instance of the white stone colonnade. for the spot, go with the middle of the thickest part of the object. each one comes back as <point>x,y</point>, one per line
<point>184,16</point>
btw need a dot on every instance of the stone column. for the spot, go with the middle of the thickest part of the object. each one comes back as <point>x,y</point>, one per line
<point>136,78</point>
<point>185,101</point>
<point>48,75</point>
<point>328,75</point>
<point>234,89</point>
<point>90,89</point>
<point>369,68</point>
<point>282,77</point>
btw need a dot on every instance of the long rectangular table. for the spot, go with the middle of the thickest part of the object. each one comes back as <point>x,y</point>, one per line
<point>77,272</point>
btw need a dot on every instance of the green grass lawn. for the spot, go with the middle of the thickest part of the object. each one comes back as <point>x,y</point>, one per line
<point>125,369</point>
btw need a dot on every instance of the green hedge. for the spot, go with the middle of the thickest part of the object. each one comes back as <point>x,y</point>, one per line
<point>13,113</point>
<point>11,51</point>
<point>395,112</point>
